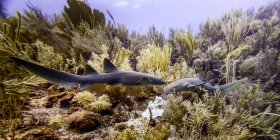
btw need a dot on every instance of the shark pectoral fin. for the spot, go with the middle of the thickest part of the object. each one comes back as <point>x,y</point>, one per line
<point>116,84</point>
<point>84,86</point>
<point>108,66</point>
<point>211,82</point>
<point>198,85</point>
<point>144,80</point>
<point>90,70</point>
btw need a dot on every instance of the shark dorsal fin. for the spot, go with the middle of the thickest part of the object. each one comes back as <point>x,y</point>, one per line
<point>90,70</point>
<point>108,66</point>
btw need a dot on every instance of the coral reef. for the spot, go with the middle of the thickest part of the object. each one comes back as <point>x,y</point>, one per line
<point>239,44</point>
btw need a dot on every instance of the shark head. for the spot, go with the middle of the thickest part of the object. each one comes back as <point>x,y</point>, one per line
<point>176,86</point>
<point>138,78</point>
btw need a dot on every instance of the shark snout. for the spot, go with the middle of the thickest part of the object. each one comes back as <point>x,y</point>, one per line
<point>167,89</point>
<point>162,82</point>
<point>158,81</point>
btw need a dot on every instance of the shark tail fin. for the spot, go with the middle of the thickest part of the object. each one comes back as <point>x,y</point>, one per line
<point>64,79</point>
<point>227,87</point>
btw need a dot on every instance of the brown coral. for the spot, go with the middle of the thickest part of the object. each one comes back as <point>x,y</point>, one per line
<point>83,121</point>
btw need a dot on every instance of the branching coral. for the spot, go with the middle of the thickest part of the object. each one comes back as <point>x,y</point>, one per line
<point>230,69</point>
<point>10,46</point>
<point>212,118</point>
<point>122,34</point>
<point>211,32</point>
<point>10,112</point>
<point>154,58</point>
<point>160,132</point>
<point>217,50</point>
<point>23,87</point>
<point>261,64</point>
<point>155,37</point>
<point>243,50</point>
<point>254,99</point>
<point>96,60</point>
<point>45,52</point>
<point>188,43</point>
<point>181,70</point>
<point>235,26</point>
<point>79,11</point>
<point>126,135</point>
<point>90,41</point>
<point>175,111</point>
<point>157,61</point>
<point>120,58</point>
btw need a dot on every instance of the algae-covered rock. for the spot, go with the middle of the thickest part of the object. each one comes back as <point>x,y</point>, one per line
<point>62,98</point>
<point>83,121</point>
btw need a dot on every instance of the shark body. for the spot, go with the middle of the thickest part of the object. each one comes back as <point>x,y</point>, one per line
<point>111,76</point>
<point>188,84</point>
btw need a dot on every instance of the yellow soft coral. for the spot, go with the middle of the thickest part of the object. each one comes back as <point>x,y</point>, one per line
<point>89,101</point>
<point>154,58</point>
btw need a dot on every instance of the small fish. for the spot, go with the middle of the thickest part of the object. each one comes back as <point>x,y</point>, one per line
<point>188,84</point>
<point>111,76</point>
